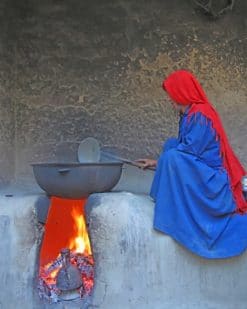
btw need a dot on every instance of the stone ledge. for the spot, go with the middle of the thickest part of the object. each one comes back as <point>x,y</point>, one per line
<point>136,267</point>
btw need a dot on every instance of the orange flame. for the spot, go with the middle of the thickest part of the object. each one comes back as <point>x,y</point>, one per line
<point>65,228</point>
<point>79,242</point>
<point>62,228</point>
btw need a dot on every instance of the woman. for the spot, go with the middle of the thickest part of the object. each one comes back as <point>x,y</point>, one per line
<point>197,184</point>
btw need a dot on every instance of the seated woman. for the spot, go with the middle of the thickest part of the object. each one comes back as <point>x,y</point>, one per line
<point>197,185</point>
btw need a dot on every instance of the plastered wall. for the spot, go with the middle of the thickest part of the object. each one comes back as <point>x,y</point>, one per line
<point>95,68</point>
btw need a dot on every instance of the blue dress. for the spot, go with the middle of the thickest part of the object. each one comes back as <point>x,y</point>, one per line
<point>193,200</point>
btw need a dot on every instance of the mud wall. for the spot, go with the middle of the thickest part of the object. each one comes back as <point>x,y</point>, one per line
<point>94,68</point>
<point>7,123</point>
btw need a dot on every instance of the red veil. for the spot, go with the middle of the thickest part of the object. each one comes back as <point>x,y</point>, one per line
<point>184,89</point>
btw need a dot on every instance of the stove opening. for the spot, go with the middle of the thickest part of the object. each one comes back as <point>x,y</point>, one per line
<point>66,265</point>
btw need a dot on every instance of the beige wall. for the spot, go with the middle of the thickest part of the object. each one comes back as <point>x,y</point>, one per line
<point>94,68</point>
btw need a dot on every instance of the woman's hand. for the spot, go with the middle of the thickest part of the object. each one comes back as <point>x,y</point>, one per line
<point>145,163</point>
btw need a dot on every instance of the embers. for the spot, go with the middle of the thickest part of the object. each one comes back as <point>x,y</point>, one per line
<point>70,276</point>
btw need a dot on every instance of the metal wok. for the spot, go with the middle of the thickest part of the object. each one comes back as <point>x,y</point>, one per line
<point>77,180</point>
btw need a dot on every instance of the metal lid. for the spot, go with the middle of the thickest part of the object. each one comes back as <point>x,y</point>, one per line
<point>89,150</point>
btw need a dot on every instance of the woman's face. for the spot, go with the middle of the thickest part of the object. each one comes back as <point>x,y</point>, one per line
<point>178,107</point>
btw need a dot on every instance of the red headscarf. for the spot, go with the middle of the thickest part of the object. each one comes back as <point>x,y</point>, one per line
<point>184,89</point>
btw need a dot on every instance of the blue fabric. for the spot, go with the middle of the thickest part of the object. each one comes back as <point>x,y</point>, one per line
<point>193,199</point>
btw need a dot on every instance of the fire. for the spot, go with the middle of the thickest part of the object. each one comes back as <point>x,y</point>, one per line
<point>79,242</point>
<point>65,228</point>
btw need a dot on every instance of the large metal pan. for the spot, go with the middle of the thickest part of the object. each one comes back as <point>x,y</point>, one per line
<point>77,180</point>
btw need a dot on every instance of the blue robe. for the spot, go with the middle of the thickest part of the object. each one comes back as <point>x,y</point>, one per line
<point>193,199</point>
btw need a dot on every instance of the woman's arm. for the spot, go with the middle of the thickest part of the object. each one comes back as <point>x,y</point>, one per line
<point>197,136</point>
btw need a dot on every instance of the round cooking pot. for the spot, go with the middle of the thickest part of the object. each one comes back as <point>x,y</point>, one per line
<point>77,180</point>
